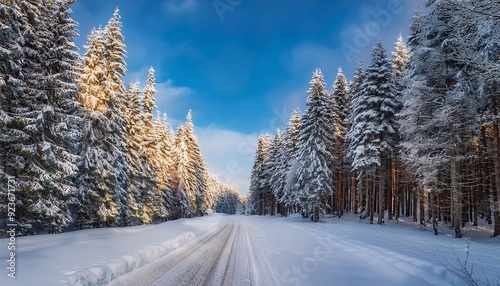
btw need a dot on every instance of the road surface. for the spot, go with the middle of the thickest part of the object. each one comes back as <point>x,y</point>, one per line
<point>227,256</point>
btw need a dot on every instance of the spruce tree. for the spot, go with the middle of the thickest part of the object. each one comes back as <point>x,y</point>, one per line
<point>256,198</point>
<point>373,128</point>
<point>11,86</point>
<point>41,154</point>
<point>399,58</point>
<point>288,162</point>
<point>278,175</point>
<point>163,162</point>
<point>104,179</point>
<point>198,168</point>
<point>339,100</point>
<point>314,177</point>
<point>115,68</point>
<point>271,168</point>
<point>183,180</point>
<point>399,64</point>
<point>355,89</point>
<point>149,91</point>
<point>139,193</point>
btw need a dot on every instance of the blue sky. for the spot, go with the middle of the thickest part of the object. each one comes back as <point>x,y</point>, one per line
<point>242,66</point>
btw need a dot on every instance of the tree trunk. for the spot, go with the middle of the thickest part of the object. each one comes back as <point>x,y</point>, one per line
<point>316,214</point>
<point>381,190</point>
<point>340,180</point>
<point>433,211</point>
<point>423,194</point>
<point>367,194</point>
<point>353,192</point>
<point>392,207</point>
<point>438,208</point>
<point>456,209</point>
<point>372,198</point>
<point>414,207</point>
<point>496,159</point>
<point>332,203</point>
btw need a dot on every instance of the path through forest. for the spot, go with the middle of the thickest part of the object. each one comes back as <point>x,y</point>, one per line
<point>228,255</point>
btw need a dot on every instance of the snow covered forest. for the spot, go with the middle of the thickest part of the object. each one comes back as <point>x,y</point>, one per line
<point>415,133</point>
<point>81,149</point>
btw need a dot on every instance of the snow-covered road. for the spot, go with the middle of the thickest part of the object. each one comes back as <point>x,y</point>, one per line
<point>227,256</point>
<point>249,250</point>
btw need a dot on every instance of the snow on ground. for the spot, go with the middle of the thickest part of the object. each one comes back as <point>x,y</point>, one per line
<point>96,255</point>
<point>230,257</point>
<point>347,251</point>
<point>253,250</point>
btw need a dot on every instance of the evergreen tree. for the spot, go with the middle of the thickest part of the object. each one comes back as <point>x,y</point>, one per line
<point>198,168</point>
<point>315,178</point>
<point>211,193</point>
<point>285,179</point>
<point>139,130</point>
<point>92,95</point>
<point>148,105</point>
<point>278,175</point>
<point>40,127</point>
<point>138,192</point>
<point>104,171</point>
<point>149,91</point>
<point>339,101</point>
<point>163,162</point>
<point>373,130</point>
<point>355,90</point>
<point>10,89</point>
<point>271,168</point>
<point>185,198</point>
<point>399,58</point>
<point>399,64</point>
<point>115,68</point>
<point>256,198</point>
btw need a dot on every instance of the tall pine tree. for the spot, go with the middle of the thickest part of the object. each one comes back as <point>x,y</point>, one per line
<point>340,99</point>
<point>41,154</point>
<point>314,176</point>
<point>373,128</point>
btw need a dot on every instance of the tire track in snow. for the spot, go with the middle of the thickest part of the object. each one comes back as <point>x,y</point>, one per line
<point>198,269</point>
<point>261,269</point>
<point>149,273</point>
<point>230,256</point>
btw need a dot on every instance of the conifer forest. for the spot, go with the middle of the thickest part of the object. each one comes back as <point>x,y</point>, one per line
<point>305,142</point>
<point>415,133</point>
<point>80,148</point>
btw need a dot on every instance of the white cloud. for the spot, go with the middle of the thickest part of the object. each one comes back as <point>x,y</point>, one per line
<point>229,154</point>
<point>180,6</point>
<point>168,96</point>
<point>168,90</point>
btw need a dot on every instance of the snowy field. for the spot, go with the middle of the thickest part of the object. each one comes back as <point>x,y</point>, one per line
<point>251,250</point>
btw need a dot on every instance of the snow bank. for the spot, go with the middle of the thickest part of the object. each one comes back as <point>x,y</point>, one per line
<point>100,275</point>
